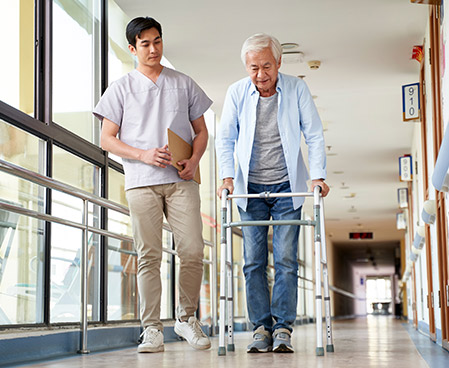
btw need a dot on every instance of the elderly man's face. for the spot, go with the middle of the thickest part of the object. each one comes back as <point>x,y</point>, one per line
<point>263,68</point>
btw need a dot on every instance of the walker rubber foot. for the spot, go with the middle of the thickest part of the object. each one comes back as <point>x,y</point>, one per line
<point>330,348</point>
<point>319,351</point>
<point>221,351</point>
<point>231,347</point>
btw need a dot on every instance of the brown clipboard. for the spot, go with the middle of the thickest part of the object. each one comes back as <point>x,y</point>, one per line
<point>180,150</point>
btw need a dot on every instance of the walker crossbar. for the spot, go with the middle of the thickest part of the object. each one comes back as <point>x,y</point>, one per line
<point>226,265</point>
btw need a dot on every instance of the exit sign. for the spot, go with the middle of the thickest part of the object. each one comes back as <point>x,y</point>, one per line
<point>361,236</point>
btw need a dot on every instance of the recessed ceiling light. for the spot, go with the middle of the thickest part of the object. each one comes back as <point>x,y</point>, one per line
<point>290,57</point>
<point>289,45</point>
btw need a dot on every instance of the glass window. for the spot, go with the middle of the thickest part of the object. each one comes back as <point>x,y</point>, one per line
<point>17,63</point>
<point>207,187</point>
<point>76,66</point>
<point>66,242</point>
<point>378,295</point>
<point>24,150</point>
<point>20,148</point>
<point>122,281</point>
<point>21,269</point>
<point>21,237</point>
<point>120,60</point>
<point>167,277</point>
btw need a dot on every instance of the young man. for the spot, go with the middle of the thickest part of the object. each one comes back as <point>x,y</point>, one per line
<point>140,107</point>
<point>262,121</point>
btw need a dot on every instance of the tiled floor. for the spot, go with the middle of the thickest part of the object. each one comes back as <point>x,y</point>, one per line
<point>365,342</point>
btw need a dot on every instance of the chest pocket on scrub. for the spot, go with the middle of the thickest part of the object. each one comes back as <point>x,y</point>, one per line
<point>175,100</point>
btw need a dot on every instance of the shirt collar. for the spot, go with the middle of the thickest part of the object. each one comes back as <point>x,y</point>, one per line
<point>279,83</point>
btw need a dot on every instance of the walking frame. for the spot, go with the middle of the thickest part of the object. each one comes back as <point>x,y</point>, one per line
<point>226,271</point>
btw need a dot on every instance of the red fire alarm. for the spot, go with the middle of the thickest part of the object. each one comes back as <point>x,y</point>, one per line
<point>418,53</point>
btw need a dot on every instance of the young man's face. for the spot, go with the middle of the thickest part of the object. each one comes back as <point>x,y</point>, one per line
<point>148,48</point>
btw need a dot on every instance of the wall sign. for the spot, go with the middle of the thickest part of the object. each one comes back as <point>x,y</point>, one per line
<point>411,105</point>
<point>401,223</point>
<point>405,168</point>
<point>403,197</point>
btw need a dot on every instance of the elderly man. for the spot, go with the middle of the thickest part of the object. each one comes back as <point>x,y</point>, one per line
<point>262,120</point>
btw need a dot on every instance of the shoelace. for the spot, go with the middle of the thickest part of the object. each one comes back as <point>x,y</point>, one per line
<point>149,335</point>
<point>196,326</point>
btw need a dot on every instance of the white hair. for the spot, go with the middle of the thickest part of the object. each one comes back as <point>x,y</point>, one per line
<point>258,42</point>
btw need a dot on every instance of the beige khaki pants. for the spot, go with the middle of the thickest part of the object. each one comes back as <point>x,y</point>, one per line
<point>180,202</point>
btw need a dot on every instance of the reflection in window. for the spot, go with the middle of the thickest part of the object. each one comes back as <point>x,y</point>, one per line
<point>65,282</point>
<point>122,281</point>
<point>21,237</point>
<point>118,222</point>
<point>21,269</point>
<point>17,61</point>
<point>67,242</point>
<point>75,66</point>
<point>167,276</point>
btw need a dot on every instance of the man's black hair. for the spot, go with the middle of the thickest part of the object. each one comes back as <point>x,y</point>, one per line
<point>137,25</point>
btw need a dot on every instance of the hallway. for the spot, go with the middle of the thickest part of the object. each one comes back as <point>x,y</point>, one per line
<point>377,73</point>
<point>375,341</point>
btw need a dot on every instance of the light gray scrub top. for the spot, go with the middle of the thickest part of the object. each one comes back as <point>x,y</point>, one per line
<point>144,110</point>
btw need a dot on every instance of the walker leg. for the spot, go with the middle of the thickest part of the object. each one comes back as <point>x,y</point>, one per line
<point>222,319</point>
<point>318,296</point>
<point>318,301</point>
<point>230,281</point>
<point>327,300</point>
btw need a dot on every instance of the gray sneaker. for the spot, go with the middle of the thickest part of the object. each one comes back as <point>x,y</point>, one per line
<point>262,341</point>
<point>282,342</point>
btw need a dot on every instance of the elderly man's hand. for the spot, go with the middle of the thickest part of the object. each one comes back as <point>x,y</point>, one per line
<point>324,188</point>
<point>228,183</point>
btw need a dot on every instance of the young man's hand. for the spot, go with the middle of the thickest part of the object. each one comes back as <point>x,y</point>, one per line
<point>189,169</point>
<point>159,157</point>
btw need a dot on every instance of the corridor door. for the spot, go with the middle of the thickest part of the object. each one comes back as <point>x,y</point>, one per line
<point>441,219</point>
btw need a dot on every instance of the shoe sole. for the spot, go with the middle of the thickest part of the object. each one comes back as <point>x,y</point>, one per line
<point>197,347</point>
<point>256,350</point>
<point>150,350</point>
<point>282,348</point>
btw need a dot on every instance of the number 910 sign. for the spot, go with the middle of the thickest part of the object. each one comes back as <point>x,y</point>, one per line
<point>410,102</point>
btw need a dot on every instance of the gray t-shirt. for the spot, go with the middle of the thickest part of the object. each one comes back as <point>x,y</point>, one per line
<point>267,164</point>
<point>144,110</point>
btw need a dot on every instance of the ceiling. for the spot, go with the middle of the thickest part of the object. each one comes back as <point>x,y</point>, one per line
<point>365,52</point>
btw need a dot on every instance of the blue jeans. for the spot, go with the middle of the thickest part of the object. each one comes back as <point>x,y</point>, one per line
<point>285,248</point>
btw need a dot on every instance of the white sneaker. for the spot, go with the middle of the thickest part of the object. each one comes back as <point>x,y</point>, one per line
<point>152,342</point>
<point>192,332</point>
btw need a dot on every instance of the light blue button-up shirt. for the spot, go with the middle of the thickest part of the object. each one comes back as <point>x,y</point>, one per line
<point>296,113</point>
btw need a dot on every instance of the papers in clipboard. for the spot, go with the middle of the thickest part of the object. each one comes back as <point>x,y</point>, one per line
<point>180,150</point>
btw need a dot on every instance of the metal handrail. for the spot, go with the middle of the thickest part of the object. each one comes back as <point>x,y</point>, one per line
<point>86,197</point>
<point>62,187</point>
